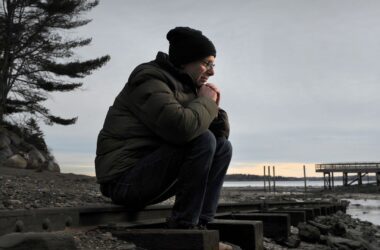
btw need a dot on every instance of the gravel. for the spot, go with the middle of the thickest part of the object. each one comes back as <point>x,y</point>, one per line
<point>97,239</point>
<point>27,189</point>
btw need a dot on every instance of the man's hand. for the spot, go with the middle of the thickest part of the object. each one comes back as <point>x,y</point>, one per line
<point>207,91</point>
<point>216,89</point>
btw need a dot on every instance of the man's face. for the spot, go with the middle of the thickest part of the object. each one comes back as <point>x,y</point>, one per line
<point>200,70</point>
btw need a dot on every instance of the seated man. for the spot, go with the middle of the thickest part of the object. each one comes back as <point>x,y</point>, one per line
<point>165,135</point>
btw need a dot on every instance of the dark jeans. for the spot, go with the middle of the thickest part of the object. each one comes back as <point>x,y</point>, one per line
<point>193,173</point>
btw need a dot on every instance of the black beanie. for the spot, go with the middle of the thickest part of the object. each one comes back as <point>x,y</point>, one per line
<point>188,45</point>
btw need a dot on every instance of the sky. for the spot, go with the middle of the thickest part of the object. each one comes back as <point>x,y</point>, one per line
<point>299,79</point>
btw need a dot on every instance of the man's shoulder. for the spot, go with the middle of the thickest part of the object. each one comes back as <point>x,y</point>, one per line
<point>147,71</point>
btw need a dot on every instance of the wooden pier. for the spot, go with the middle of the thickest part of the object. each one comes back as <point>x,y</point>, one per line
<point>359,169</point>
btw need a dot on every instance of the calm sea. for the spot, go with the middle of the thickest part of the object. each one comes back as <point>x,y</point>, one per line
<point>368,210</point>
<point>278,183</point>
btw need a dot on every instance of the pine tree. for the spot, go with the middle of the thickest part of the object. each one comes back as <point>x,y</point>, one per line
<point>36,57</point>
<point>33,135</point>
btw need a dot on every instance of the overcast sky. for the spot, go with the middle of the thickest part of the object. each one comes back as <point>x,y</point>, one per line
<point>299,78</point>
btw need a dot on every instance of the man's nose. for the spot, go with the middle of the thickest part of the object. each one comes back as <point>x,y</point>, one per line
<point>211,72</point>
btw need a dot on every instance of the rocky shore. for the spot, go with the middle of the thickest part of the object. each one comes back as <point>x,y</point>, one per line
<point>29,189</point>
<point>17,153</point>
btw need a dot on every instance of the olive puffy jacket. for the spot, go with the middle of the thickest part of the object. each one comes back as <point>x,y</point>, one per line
<point>158,105</point>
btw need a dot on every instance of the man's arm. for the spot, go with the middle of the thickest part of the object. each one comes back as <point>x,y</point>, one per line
<point>153,102</point>
<point>220,126</point>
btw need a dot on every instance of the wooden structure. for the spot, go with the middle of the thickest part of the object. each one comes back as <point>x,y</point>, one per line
<point>360,169</point>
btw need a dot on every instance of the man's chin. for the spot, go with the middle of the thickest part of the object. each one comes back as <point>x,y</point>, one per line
<point>202,82</point>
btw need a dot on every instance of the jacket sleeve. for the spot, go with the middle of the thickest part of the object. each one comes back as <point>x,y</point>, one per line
<point>154,103</point>
<point>220,126</point>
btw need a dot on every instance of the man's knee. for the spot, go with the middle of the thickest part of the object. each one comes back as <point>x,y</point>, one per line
<point>224,147</point>
<point>205,141</point>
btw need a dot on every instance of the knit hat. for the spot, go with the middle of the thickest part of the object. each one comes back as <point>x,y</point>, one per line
<point>188,45</point>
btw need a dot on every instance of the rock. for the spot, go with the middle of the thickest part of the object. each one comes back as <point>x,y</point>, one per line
<point>357,236</point>
<point>15,202</point>
<point>323,239</point>
<point>344,244</point>
<point>12,203</point>
<point>4,140</point>
<point>228,246</point>
<point>26,146</point>
<point>293,241</point>
<point>223,246</point>
<point>35,159</point>
<point>308,233</point>
<point>16,161</point>
<point>14,151</point>
<point>15,139</point>
<point>107,236</point>
<point>53,167</point>
<point>40,241</point>
<point>5,153</point>
<point>294,230</point>
<point>338,229</point>
<point>322,228</point>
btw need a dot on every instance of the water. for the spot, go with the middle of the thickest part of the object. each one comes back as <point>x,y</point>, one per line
<point>278,183</point>
<point>366,210</point>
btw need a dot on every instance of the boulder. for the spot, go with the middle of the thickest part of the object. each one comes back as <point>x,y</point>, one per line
<point>228,246</point>
<point>53,167</point>
<point>40,241</point>
<point>338,229</point>
<point>340,213</point>
<point>12,203</point>
<point>15,139</point>
<point>223,246</point>
<point>356,235</point>
<point>308,233</point>
<point>344,244</point>
<point>293,241</point>
<point>35,159</point>
<point>4,140</point>
<point>17,153</point>
<point>5,153</point>
<point>323,239</point>
<point>294,230</point>
<point>322,228</point>
<point>16,161</point>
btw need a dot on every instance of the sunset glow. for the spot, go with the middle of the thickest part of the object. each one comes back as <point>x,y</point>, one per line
<point>289,169</point>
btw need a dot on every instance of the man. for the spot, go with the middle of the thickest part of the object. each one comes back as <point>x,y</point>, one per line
<point>165,135</point>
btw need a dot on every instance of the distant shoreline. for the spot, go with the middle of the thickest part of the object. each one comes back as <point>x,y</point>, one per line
<point>249,177</point>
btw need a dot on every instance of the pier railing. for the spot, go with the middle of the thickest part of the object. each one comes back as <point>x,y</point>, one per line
<point>342,167</point>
